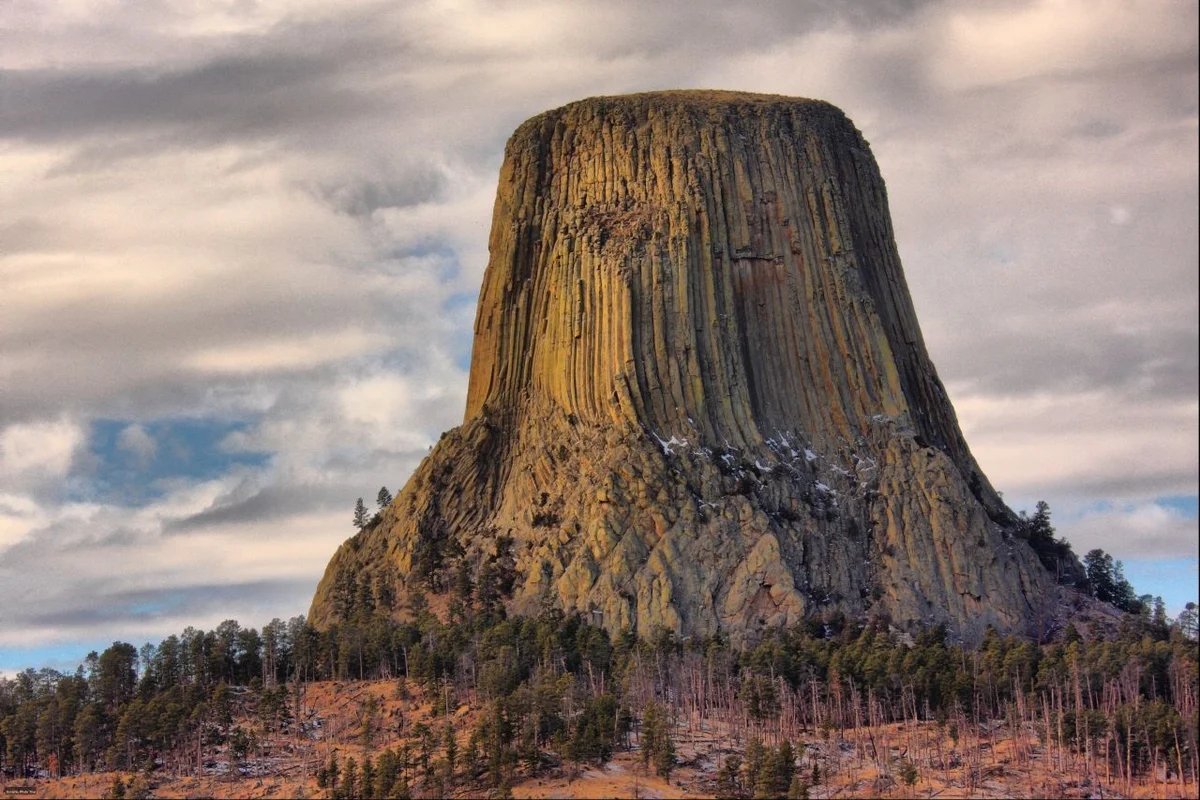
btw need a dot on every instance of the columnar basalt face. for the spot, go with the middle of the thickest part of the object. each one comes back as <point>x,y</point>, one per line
<point>715,263</point>
<point>699,398</point>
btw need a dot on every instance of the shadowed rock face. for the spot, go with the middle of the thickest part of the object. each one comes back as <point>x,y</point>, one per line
<point>699,398</point>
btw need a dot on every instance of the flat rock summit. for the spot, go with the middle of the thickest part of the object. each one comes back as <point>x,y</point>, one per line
<point>699,397</point>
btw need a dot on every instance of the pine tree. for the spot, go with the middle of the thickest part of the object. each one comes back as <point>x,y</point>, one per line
<point>332,775</point>
<point>1038,527</point>
<point>728,784</point>
<point>360,515</point>
<point>367,781</point>
<point>657,746</point>
<point>1126,598</point>
<point>664,758</point>
<point>471,756</point>
<point>786,766</point>
<point>649,734</point>
<point>1099,566</point>
<point>400,790</point>
<point>755,755</point>
<point>384,498</point>
<point>387,769</point>
<point>798,789</point>
<point>1187,620</point>
<point>139,788</point>
<point>350,785</point>
<point>1158,616</point>
<point>774,775</point>
<point>451,745</point>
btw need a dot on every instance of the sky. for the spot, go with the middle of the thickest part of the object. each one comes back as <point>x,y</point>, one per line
<point>241,243</point>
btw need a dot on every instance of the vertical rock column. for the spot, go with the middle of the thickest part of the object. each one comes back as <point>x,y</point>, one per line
<point>699,397</point>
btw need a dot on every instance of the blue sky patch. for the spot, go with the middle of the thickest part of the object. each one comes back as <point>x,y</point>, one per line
<point>133,462</point>
<point>1185,505</point>
<point>1173,579</point>
<point>64,657</point>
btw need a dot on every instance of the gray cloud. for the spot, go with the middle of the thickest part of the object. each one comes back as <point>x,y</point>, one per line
<point>265,506</point>
<point>198,602</point>
<point>280,218</point>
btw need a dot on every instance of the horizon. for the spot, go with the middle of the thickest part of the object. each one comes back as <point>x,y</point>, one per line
<point>242,250</point>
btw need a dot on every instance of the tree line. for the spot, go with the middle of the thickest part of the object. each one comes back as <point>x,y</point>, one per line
<point>555,690</point>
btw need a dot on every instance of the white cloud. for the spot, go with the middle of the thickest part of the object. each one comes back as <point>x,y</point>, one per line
<point>1135,530</point>
<point>32,453</point>
<point>1083,444</point>
<point>988,45</point>
<point>137,441</point>
<point>18,516</point>
<point>273,212</point>
<point>295,353</point>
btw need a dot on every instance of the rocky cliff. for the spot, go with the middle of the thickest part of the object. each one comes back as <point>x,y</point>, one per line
<point>699,398</point>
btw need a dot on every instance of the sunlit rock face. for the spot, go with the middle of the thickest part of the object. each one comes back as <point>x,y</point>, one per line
<point>699,398</point>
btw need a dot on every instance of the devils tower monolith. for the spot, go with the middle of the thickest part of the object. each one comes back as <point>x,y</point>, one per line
<point>699,398</point>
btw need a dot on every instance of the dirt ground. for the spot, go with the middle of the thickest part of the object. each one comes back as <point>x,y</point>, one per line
<point>988,761</point>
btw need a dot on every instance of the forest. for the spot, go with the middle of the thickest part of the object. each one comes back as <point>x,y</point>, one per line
<point>555,692</point>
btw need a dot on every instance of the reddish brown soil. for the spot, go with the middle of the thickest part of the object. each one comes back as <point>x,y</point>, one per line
<point>867,762</point>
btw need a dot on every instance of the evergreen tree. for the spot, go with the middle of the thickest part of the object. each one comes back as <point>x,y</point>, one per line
<point>451,746</point>
<point>1187,621</point>
<point>139,788</point>
<point>367,780</point>
<point>650,726</point>
<point>664,759</point>
<point>400,790</point>
<point>775,774</point>
<point>786,766</point>
<point>89,735</point>
<point>1099,567</point>
<point>1038,529</point>
<point>349,783</point>
<point>386,772</point>
<point>369,721</point>
<point>471,757</point>
<point>360,515</point>
<point>1126,598</point>
<point>729,785</point>
<point>384,498</point>
<point>332,774</point>
<point>798,789</point>
<point>658,742</point>
<point>755,755</point>
<point>1158,616</point>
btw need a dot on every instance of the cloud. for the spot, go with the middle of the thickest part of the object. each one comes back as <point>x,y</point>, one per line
<point>1082,444</point>
<point>18,516</point>
<point>34,453</point>
<point>288,354</point>
<point>271,220</point>
<point>92,565</point>
<point>1135,531</point>
<point>995,45</point>
<point>134,440</point>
